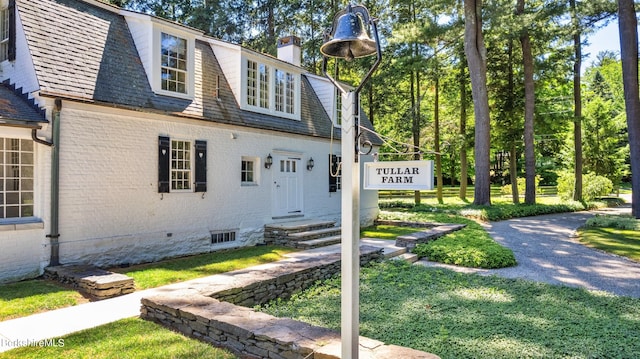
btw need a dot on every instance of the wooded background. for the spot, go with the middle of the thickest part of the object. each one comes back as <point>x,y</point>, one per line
<point>544,112</point>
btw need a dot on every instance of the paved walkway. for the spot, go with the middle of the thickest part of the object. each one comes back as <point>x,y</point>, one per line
<point>543,245</point>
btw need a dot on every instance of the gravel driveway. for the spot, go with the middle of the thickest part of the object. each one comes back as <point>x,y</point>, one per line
<point>547,251</point>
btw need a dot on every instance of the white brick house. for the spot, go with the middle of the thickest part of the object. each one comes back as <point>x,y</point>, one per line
<point>164,135</point>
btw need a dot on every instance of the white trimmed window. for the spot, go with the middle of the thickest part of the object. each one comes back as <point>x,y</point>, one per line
<point>16,178</point>
<point>252,83</point>
<point>285,92</point>
<point>271,90</point>
<point>181,161</point>
<point>248,175</point>
<point>4,34</point>
<point>258,86</point>
<point>173,63</point>
<point>264,85</point>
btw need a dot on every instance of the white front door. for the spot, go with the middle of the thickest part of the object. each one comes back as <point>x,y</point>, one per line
<point>287,186</point>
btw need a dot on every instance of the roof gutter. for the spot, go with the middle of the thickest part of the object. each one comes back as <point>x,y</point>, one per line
<point>55,180</point>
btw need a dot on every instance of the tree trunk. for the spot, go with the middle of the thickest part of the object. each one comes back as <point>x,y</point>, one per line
<point>415,122</point>
<point>464,174</point>
<point>577,104</point>
<point>628,26</point>
<point>436,140</point>
<point>513,160</point>
<point>513,173</point>
<point>477,60</point>
<point>529,107</point>
<point>463,134</point>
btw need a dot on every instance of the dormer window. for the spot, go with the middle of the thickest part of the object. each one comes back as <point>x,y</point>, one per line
<point>263,70</point>
<point>7,33</point>
<point>173,63</point>
<point>338,108</point>
<point>4,34</point>
<point>285,90</point>
<point>270,89</point>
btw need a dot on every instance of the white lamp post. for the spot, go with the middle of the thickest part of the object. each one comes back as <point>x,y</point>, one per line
<point>348,39</point>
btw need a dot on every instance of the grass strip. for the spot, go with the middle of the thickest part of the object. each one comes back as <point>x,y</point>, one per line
<point>623,242</point>
<point>34,296</point>
<point>127,338</point>
<point>384,231</point>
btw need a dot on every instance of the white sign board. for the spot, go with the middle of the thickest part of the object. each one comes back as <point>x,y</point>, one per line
<point>398,175</point>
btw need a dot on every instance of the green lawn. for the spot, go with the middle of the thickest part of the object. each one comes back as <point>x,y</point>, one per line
<point>383,231</point>
<point>457,315</point>
<point>156,274</point>
<point>33,296</point>
<point>623,242</point>
<point>127,338</point>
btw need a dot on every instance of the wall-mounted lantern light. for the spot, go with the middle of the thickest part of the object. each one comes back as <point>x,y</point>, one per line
<point>310,164</point>
<point>268,162</point>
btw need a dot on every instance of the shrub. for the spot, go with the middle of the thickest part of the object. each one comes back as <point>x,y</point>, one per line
<point>468,250</point>
<point>593,186</point>
<point>608,221</point>
<point>566,185</point>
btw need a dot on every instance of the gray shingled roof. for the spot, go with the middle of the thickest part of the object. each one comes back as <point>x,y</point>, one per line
<point>17,109</point>
<point>81,51</point>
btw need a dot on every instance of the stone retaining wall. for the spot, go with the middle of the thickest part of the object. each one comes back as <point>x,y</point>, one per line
<point>209,309</point>
<point>254,334</point>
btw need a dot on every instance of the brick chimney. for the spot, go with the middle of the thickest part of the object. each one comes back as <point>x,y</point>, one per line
<point>290,50</point>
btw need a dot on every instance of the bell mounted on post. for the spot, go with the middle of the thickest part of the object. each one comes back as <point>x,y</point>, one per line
<point>350,38</point>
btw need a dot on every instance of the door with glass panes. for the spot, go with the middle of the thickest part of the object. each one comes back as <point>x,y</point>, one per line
<point>287,185</point>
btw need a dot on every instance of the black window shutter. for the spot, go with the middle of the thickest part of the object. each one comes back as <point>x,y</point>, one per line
<point>201,166</point>
<point>12,30</point>
<point>164,154</point>
<point>333,170</point>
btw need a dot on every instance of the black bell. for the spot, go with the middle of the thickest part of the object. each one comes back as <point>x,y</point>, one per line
<point>350,39</point>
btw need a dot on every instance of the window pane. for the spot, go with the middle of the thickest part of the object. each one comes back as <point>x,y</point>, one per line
<point>264,86</point>
<point>27,145</point>
<point>27,211</point>
<point>26,185</point>
<point>27,198</point>
<point>13,184</point>
<point>27,171</point>
<point>12,198</point>
<point>173,59</point>
<point>12,211</point>
<point>27,158</point>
